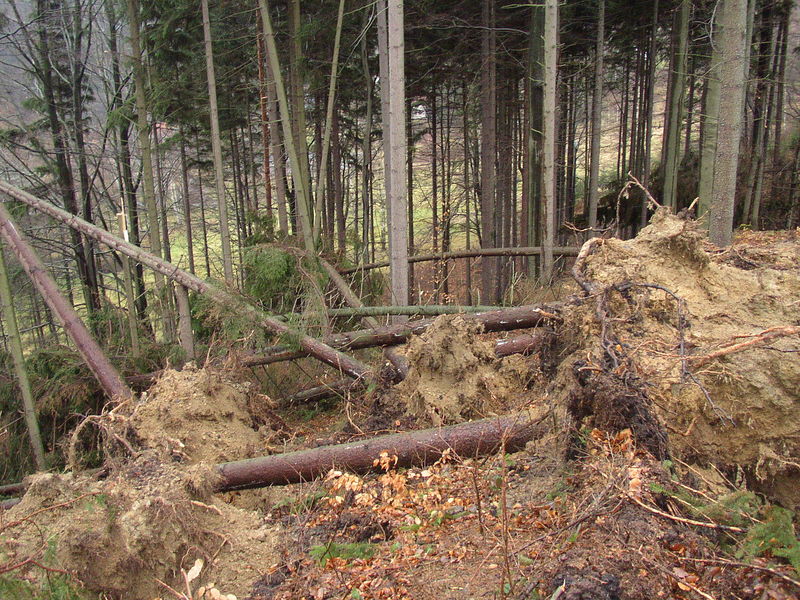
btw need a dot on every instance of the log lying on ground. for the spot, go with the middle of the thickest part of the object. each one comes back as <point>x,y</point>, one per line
<point>398,362</point>
<point>478,252</point>
<point>313,347</point>
<point>509,433</point>
<point>10,489</point>
<point>406,311</point>
<point>105,373</point>
<point>416,448</point>
<point>509,319</point>
<point>523,344</point>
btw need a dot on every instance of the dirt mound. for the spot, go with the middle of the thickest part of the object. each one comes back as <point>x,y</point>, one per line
<point>455,376</point>
<point>672,302</point>
<point>199,415</point>
<point>145,523</point>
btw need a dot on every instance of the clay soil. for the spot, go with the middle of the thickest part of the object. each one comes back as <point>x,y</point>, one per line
<point>671,468</point>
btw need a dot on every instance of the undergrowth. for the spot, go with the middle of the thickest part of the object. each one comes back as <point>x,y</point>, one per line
<point>770,530</point>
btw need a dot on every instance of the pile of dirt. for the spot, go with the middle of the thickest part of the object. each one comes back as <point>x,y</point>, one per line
<point>147,522</point>
<point>671,301</point>
<point>201,415</point>
<point>155,514</point>
<point>454,375</point>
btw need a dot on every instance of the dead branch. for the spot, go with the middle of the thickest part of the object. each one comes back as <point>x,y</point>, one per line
<point>523,344</point>
<point>765,336</point>
<point>520,317</point>
<point>478,252</point>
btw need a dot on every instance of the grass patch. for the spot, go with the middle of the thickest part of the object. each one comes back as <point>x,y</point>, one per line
<point>348,552</point>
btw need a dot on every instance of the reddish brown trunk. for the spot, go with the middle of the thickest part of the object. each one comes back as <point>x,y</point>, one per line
<point>417,448</point>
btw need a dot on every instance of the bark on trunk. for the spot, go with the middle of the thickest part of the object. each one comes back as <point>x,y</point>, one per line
<point>28,405</point>
<point>732,71</point>
<point>488,148</point>
<point>417,448</point>
<point>216,146</point>
<point>104,371</point>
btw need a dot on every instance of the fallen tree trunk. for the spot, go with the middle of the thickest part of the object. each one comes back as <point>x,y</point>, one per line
<point>410,311</point>
<point>523,344</point>
<point>478,252</point>
<point>398,362</point>
<point>509,319</point>
<point>108,377</point>
<point>12,488</point>
<point>313,347</point>
<point>509,433</point>
<point>416,448</point>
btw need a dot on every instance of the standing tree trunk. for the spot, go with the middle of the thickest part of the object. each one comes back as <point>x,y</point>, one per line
<point>143,130</point>
<point>648,125</point>
<point>216,149</point>
<point>708,144</point>
<point>597,116</point>
<point>549,136</point>
<point>300,168</point>
<point>672,153</point>
<point>533,134</point>
<point>66,184</point>
<point>28,405</point>
<point>298,156</point>
<point>187,205</point>
<point>366,143</point>
<point>488,149</point>
<point>126,181</point>
<point>732,69</point>
<point>395,171</point>
<point>326,136</point>
<point>263,101</point>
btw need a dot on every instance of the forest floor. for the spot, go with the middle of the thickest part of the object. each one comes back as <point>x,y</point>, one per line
<point>669,467</point>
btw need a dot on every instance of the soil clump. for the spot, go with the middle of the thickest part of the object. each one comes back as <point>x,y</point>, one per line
<point>663,303</point>
<point>454,375</point>
<point>142,525</point>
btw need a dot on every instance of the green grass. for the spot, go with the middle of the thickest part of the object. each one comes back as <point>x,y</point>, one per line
<point>352,551</point>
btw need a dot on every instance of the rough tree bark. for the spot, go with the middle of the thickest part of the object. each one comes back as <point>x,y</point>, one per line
<point>732,46</point>
<point>549,136</point>
<point>597,116</point>
<point>416,448</point>
<point>216,149</point>
<point>488,148</point>
<point>676,108</point>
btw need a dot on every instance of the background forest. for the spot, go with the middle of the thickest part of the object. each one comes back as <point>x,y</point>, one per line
<point>240,140</point>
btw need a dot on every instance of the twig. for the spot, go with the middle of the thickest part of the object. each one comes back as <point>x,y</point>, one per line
<point>705,524</point>
<point>577,268</point>
<point>764,336</point>
<point>718,411</point>
<point>647,193</point>
<point>733,563</point>
<point>694,588</point>
<point>47,508</point>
